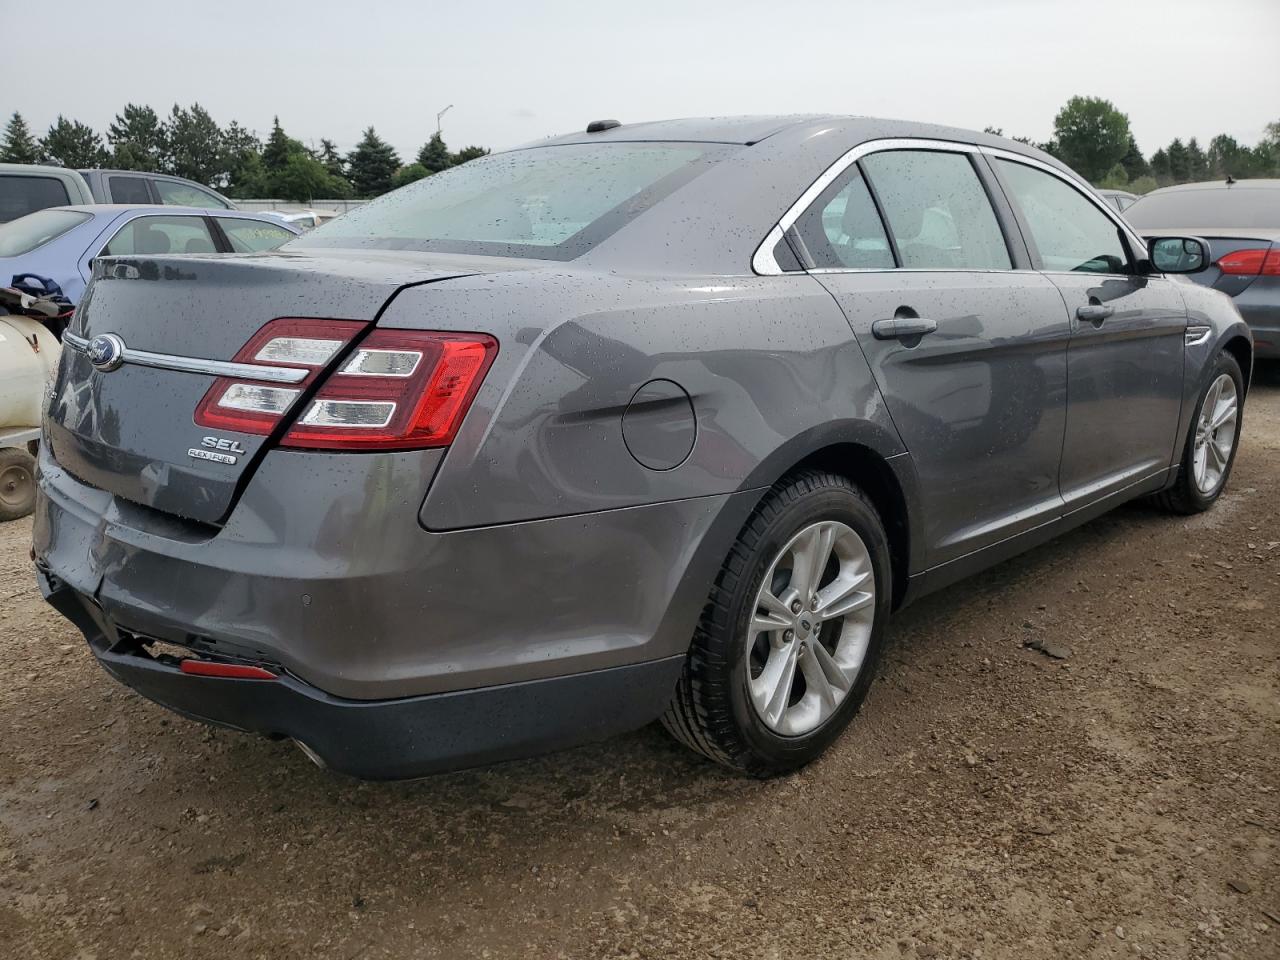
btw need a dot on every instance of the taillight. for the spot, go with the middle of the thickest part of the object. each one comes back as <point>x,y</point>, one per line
<point>1251,263</point>
<point>257,406</point>
<point>398,390</point>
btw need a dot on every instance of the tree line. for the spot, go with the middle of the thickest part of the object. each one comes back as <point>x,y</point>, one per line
<point>190,143</point>
<point>1089,134</point>
<point>1092,136</point>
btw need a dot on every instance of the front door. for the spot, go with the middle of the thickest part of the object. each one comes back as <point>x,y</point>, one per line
<point>1125,362</point>
<point>969,353</point>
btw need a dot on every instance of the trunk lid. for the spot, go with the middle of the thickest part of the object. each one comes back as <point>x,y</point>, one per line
<point>129,431</point>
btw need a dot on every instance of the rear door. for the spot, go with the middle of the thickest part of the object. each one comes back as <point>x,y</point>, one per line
<point>1125,362</point>
<point>968,350</point>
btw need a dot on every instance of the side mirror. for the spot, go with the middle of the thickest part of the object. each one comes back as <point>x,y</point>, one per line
<point>1178,254</point>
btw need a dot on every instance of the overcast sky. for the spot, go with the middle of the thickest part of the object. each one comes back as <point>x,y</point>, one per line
<point>517,70</point>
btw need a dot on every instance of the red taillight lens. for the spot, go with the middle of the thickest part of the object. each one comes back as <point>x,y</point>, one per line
<point>252,406</point>
<point>1251,263</point>
<point>399,390</point>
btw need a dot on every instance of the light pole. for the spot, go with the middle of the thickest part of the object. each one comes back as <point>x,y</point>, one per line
<point>439,115</point>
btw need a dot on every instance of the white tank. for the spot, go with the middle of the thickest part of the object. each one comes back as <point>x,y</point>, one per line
<point>28,357</point>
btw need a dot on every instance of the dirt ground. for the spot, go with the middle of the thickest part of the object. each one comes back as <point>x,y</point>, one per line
<point>990,801</point>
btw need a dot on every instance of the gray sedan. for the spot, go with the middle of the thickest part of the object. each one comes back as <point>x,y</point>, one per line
<point>646,421</point>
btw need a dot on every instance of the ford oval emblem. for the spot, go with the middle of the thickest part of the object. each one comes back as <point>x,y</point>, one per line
<point>106,352</point>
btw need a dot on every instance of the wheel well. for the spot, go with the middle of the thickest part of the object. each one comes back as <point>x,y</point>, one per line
<point>869,471</point>
<point>1239,348</point>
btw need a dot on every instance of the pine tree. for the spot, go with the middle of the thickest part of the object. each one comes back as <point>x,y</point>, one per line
<point>1134,163</point>
<point>434,155</point>
<point>137,139</point>
<point>331,159</point>
<point>371,165</point>
<point>18,145</point>
<point>194,143</point>
<point>72,144</point>
<point>279,148</point>
<point>468,153</point>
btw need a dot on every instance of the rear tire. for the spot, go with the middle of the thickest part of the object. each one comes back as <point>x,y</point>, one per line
<point>736,703</point>
<point>17,483</point>
<point>1209,450</point>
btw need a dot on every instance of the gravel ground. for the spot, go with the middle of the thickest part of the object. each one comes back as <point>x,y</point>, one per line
<point>990,800</point>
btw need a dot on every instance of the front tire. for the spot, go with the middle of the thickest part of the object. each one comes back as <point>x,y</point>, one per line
<point>1210,448</point>
<point>786,648</point>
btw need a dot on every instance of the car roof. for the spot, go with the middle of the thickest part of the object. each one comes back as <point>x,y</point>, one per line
<point>1260,183</point>
<point>753,129</point>
<point>105,208</point>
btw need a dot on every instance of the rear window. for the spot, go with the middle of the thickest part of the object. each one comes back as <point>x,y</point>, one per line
<point>22,195</point>
<point>1238,206</point>
<point>36,229</point>
<point>551,203</point>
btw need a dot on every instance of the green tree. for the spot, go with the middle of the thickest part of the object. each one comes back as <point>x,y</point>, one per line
<point>407,175</point>
<point>434,155</point>
<point>1179,161</point>
<point>1091,136</point>
<point>18,145</point>
<point>195,143</point>
<point>1115,179</point>
<point>137,139</point>
<point>371,165</point>
<point>240,168</point>
<point>279,148</point>
<point>72,144</point>
<point>303,178</point>
<point>1134,163</point>
<point>1226,157</point>
<point>331,159</point>
<point>468,153</point>
<point>1197,162</point>
<point>1160,167</point>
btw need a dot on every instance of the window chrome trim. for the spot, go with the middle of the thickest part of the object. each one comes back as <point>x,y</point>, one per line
<point>764,263</point>
<point>213,368</point>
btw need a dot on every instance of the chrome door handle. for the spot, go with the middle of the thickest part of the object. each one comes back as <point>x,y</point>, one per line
<point>901,328</point>
<point>1094,312</point>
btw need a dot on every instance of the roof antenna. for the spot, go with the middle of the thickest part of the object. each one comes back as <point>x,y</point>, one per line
<point>1230,180</point>
<point>600,126</point>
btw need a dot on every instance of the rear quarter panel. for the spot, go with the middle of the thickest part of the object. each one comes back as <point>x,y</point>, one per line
<point>770,365</point>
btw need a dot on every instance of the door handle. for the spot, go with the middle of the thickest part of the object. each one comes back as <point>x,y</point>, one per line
<point>1094,312</point>
<point>902,328</point>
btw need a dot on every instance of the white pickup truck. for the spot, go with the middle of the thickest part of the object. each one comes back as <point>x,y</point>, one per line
<point>28,357</point>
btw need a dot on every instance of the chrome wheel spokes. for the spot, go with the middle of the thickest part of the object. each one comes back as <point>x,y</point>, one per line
<point>810,627</point>
<point>1215,436</point>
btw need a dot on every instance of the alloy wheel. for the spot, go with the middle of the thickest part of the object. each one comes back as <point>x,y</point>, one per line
<point>1215,434</point>
<point>810,627</point>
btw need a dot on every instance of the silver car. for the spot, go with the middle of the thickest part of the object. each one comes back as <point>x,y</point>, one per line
<point>648,421</point>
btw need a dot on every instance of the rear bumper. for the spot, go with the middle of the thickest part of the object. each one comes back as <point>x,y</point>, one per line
<point>387,739</point>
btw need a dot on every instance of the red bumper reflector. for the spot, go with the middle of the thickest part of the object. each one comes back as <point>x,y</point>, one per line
<point>229,671</point>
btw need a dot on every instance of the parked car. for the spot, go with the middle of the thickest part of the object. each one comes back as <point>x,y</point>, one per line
<point>305,219</point>
<point>60,243</point>
<point>1120,199</point>
<point>1241,221</point>
<point>26,188</point>
<point>615,427</point>
<point>136,187</point>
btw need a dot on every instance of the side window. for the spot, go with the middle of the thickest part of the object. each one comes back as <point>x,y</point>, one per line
<point>20,195</point>
<point>250,236</point>
<point>128,190</point>
<point>937,209</point>
<point>154,236</point>
<point>842,229</point>
<point>177,194</point>
<point>1070,233</point>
